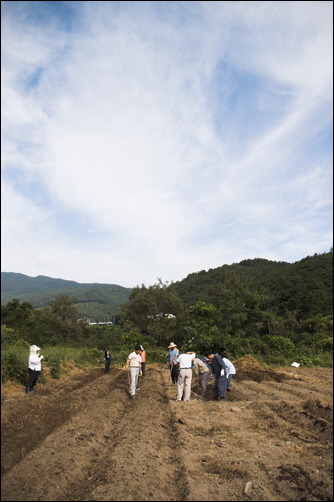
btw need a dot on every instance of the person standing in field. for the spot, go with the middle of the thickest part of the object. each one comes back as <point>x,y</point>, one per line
<point>34,367</point>
<point>143,364</point>
<point>172,355</point>
<point>230,370</point>
<point>107,359</point>
<point>218,368</point>
<point>133,362</point>
<point>143,360</point>
<point>185,375</point>
<point>202,372</point>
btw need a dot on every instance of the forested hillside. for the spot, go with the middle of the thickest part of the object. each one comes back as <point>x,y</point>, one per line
<point>92,300</point>
<point>274,310</point>
<point>304,287</point>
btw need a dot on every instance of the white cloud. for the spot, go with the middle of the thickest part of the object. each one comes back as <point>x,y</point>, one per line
<point>156,139</point>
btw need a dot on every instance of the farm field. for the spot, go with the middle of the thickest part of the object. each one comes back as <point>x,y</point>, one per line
<point>82,438</point>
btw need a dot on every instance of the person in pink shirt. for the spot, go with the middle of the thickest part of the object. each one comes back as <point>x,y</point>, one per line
<point>133,362</point>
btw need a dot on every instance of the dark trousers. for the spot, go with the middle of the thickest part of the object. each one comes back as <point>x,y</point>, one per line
<point>33,375</point>
<point>107,366</point>
<point>220,387</point>
<point>174,373</point>
<point>204,382</point>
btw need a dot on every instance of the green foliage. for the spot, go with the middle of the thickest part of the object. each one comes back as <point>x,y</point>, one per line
<point>273,310</point>
<point>54,366</point>
<point>130,340</point>
<point>87,356</point>
<point>102,336</point>
<point>304,287</point>
<point>9,335</point>
<point>325,345</point>
<point>14,362</point>
<point>202,331</point>
<point>279,345</point>
<point>15,314</point>
<point>237,346</point>
<point>146,312</point>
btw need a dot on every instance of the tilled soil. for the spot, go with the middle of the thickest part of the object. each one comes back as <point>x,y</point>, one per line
<point>83,438</point>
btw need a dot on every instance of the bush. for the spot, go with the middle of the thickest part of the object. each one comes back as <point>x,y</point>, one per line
<point>86,357</point>
<point>54,366</point>
<point>14,362</point>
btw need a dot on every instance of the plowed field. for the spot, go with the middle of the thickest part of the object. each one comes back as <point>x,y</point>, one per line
<point>82,438</point>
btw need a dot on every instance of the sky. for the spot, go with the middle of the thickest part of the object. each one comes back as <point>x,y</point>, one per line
<point>145,141</point>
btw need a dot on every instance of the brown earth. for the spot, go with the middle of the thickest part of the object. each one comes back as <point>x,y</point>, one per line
<point>82,438</point>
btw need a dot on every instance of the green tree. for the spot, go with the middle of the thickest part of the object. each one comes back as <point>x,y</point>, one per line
<point>149,311</point>
<point>60,320</point>
<point>15,314</point>
<point>241,310</point>
<point>202,332</point>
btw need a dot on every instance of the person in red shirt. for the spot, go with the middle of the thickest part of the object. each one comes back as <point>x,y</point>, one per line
<point>143,360</point>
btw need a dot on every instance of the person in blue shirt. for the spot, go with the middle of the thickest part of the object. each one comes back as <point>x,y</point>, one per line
<point>205,361</point>
<point>172,354</point>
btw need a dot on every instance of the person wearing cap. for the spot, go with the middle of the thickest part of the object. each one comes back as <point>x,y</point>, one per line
<point>134,364</point>
<point>34,367</point>
<point>172,355</point>
<point>185,361</point>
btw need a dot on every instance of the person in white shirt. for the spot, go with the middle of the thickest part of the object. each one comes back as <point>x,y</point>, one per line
<point>185,375</point>
<point>230,370</point>
<point>134,363</point>
<point>34,367</point>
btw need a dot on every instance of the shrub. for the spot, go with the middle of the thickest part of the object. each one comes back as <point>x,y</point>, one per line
<point>54,366</point>
<point>12,369</point>
<point>14,362</point>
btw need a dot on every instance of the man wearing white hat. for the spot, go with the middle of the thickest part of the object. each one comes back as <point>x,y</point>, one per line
<point>34,367</point>
<point>172,354</point>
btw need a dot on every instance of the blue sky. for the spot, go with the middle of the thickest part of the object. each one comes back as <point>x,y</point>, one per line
<point>147,140</point>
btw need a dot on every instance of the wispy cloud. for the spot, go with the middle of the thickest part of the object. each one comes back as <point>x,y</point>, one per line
<point>155,139</point>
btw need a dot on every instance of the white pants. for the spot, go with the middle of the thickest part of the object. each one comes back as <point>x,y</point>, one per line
<point>134,375</point>
<point>184,384</point>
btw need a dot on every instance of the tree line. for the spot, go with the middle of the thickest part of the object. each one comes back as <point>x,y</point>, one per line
<point>272,310</point>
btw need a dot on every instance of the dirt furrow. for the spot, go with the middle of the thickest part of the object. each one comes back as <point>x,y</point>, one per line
<point>85,439</point>
<point>44,410</point>
<point>108,437</point>
<point>129,465</point>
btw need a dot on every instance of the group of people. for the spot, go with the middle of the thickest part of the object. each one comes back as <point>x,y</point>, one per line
<point>181,368</point>
<point>211,364</point>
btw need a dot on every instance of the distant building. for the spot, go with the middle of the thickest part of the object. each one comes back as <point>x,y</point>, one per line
<point>158,316</point>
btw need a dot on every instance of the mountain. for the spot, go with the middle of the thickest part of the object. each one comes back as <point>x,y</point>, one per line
<point>304,287</point>
<point>93,300</point>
